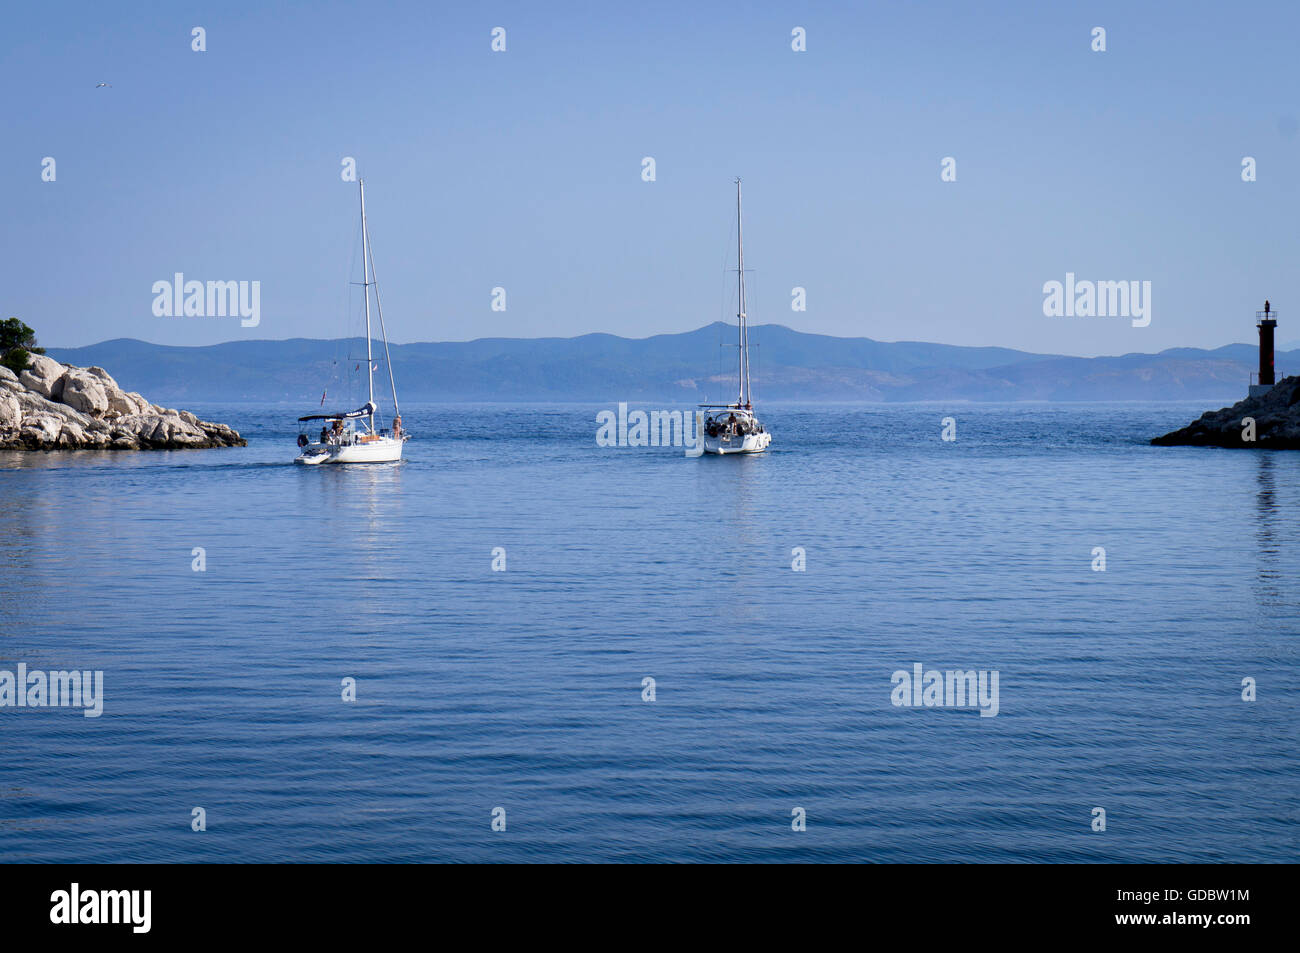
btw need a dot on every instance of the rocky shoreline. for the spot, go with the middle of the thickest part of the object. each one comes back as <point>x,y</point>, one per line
<point>53,406</point>
<point>1276,414</point>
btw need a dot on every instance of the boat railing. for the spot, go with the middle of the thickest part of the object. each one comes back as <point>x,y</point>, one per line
<point>351,438</point>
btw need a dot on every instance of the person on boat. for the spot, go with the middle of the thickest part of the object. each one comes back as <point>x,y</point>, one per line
<point>324,435</point>
<point>397,426</point>
<point>337,435</point>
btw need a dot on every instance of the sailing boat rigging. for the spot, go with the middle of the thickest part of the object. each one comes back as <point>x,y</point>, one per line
<point>733,428</point>
<point>351,436</point>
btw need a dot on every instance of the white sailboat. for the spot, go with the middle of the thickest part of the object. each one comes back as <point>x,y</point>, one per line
<point>734,428</point>
<point>351,436</point>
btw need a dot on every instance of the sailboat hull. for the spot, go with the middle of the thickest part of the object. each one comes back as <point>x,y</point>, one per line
<point>383,450</point>
<point>740,443</point>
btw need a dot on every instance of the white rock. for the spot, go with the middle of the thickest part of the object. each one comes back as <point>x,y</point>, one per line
<point>45,376</point>
<point>34,403</point>
<point>162,432</point>
<point>84,391</point>
<point>11,411</point>
<point>51,405</point>
<point>71,435</point>
<point>104,376</point>
<point>128,403</point>
<point>45,427</point>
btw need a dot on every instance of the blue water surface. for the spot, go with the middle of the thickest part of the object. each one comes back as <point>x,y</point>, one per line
<point>522,689</point>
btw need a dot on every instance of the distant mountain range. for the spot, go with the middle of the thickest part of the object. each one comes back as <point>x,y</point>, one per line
<point>683,368</point>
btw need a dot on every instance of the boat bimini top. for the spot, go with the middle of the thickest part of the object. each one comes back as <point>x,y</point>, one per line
<point>368,410</point>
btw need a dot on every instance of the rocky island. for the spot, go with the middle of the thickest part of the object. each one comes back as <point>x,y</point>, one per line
<point>1276,416</point>
<point>52,406</point>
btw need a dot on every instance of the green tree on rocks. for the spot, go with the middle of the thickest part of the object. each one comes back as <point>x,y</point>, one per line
<point>17,345</point>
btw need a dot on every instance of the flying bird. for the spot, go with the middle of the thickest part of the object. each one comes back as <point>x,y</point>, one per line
<point>98,85</point>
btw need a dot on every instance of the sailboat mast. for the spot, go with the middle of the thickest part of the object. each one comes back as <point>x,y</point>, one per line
<point>742,371</point>
<point>365,289</point>
<point>388,359</point>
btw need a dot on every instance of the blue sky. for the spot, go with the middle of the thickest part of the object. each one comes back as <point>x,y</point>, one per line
<point>522,169</point>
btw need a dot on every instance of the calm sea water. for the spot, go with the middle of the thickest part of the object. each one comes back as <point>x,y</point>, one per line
<point>522,689</point>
